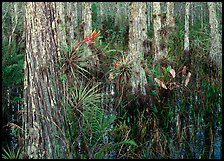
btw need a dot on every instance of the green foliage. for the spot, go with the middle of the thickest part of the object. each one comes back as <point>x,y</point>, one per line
<point>82,99</point>
<point>95,13</point>
<point>12,64</point>
<point>12,153</point>
<point>92,121</point>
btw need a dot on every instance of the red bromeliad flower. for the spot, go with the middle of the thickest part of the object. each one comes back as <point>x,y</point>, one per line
<point>116,64</point>
<point>89,40</point>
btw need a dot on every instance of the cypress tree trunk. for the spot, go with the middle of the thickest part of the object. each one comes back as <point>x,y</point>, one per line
<point>192,13</point>
<point>101,14</point>
<point>186,34</point>
<point>87,14</point>
<point>160,50</point>
<point>61,30</point>
<point>216,47</point>
<point>118,15</point>
<point>137,35</point>
<point>71,21</point>
<point>202,16</point>
<point>87,18</point>
<point>170,11</point>
<point>149,6</point>
<point>43,117</point>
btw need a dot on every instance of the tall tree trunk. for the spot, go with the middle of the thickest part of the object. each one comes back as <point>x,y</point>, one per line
<point>160,49</point>
<point>61,30</point>
<point>192,13</point>
<point>170,12</point>
<point>202,16</point>
<point>186,34</point>
<point>137,35</point>
<point>87,18</point>
<point>216,47</point>
<point>44,118</point>
<point>87,30</point>
<point>118,14</point>
<point>80,11</point>
<point>149,15</point>
<point>101,13</point>
<point>71,21</point>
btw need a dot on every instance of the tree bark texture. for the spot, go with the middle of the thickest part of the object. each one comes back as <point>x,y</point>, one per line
<point>71,21</point>
<point>186,34</point>
<point>61,29</point>
<point>137,35</point>
<point>118,20</point>
<point>121,16</point>
<point>87,14</point>
<point>43,117</point>
<point>159,51</point>
<point>103,9</point>
<point>216,47</point>
<point>170,11</point>
<point>87,18</point>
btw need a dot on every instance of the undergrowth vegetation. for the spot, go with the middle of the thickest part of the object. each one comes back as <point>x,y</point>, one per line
<point>103,118</point>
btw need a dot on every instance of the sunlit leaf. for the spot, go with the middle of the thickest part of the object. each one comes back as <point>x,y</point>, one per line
<point>160,83</point>
<point>172,72</point>
<point>187,79</point>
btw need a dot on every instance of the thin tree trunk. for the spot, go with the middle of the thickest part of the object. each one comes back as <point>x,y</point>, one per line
<point>137,35</point>
<point>160,50</point>
<point>71,21</point>
<point>118,14</point>
<point>149,5</point>
<point>101,14</point>
<point>192,13</point>
<point>87,31</point>
<point>170,12</point>
<point>202,17</point>
<point>87,18</point>
<point>43,119</point>
<point>216,46</point>
<point>186,34</point>
<point>61,29</point>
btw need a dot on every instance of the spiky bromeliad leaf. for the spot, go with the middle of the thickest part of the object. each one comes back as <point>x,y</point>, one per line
<point>11,153</point>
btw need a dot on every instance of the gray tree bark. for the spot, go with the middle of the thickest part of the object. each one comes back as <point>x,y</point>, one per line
<point>87,14</point>
<point>186,34</point>
<point>87,18</point>
<point>160,49</point>
<point>137,34</point>
<point>216,46</point>
<point>44,116</point>
<point>170,11</point>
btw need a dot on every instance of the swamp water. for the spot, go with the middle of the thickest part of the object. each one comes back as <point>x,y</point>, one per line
<point>194,147</point>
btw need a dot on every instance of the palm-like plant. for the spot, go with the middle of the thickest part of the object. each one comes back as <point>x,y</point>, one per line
<point>93,123</point>
<point>12,153</point>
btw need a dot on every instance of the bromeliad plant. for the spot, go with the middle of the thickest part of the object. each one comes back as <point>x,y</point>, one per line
<point>121,70</point>
<point>121,73</point>
<point>76,61</point>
